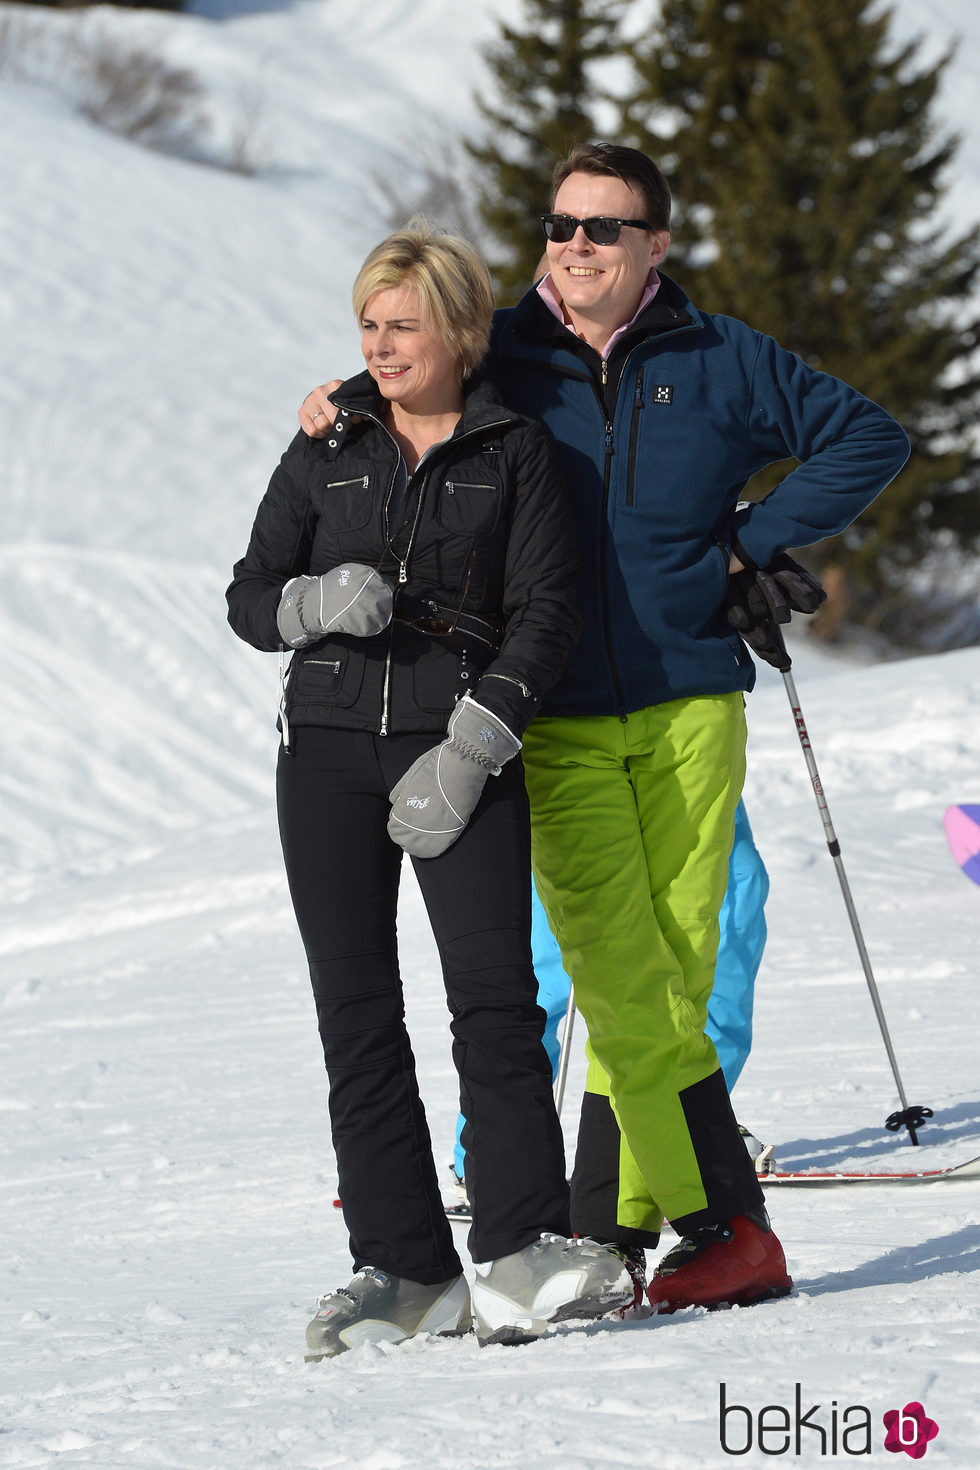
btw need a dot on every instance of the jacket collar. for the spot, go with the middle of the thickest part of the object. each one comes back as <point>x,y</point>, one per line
<point>670,310</point>
<point>483,405</point>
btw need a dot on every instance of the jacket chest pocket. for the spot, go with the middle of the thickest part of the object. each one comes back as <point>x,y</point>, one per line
<point>346,501</point>
<point>468,508</point>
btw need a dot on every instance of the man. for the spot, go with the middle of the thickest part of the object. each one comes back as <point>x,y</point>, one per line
<point>636,761</point>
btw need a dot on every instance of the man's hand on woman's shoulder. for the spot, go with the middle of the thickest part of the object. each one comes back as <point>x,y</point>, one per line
<point>316,412</point>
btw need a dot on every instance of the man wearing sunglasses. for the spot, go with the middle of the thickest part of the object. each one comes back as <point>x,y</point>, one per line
<point>661,412</point>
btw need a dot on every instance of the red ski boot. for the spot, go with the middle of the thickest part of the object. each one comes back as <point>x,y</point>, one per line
<point>733,1264</point>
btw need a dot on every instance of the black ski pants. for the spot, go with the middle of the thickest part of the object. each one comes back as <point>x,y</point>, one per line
<point>343,872</point>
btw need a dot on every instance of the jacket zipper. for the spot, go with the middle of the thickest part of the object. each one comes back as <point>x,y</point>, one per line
<point>282,700</point>
<point>634,436</point>
<point>386,689</point>
<point>403,564</point>
<point>600,393</point>
<point>603,574</point>
<point>386,681</point>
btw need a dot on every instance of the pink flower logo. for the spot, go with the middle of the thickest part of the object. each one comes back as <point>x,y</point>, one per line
<point>909,1429</point>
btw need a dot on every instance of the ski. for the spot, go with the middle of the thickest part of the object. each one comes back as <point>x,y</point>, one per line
<point>461,1214</point>
<point>968,1170</point>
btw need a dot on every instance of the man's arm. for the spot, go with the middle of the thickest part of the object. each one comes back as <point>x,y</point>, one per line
<point>847,446</point>
<point>316,412</point>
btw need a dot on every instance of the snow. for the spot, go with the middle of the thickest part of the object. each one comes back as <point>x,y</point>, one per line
<point>167,1177</point>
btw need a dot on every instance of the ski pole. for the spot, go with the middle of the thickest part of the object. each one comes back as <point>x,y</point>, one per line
<point>566,1049</point>
<point>910,1117</point>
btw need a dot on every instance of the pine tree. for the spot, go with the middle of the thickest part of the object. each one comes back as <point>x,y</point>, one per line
<point>546,94</point>
<point>809,178</point>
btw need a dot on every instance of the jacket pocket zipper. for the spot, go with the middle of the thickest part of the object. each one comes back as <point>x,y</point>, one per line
<point>362,480</point>
<point>509,678</point>
<point>634,434</point>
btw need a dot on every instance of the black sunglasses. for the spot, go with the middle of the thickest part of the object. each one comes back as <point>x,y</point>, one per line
<point>598,228</point>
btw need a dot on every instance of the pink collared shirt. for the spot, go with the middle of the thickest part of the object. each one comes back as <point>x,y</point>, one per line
<point>548,292</point>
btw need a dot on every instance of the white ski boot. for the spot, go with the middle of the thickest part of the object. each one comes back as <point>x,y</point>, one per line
<point>550,1280</point>
<point>376,1307</point>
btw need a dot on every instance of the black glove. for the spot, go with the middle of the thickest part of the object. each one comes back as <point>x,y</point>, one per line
<point>759,601</point>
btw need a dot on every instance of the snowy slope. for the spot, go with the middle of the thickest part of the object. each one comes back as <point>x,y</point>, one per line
<point>167,1178</point>
<point>167,1173</point>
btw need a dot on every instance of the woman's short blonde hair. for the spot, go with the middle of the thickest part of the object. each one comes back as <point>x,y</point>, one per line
<point>451,278</point>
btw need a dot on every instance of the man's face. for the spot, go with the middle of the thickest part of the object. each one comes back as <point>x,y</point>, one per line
<point>601,285</point>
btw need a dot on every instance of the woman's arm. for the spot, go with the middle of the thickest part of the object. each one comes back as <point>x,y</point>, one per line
<point>278,550</point>
<point>540,602</point>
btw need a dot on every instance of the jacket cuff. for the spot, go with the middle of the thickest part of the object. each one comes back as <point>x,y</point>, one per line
<point>745,557</point>
<point>508,699</point>
<point>288,620</point>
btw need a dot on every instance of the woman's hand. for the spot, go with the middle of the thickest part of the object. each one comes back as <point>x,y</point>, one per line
<point>352,598</point>
<point>435,798</point>
<point>316,412</point>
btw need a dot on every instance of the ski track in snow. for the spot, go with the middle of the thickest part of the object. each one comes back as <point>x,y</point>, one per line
<point>167,1181</point>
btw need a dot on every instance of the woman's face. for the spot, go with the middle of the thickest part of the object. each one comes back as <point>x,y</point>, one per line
<point>411,364</point>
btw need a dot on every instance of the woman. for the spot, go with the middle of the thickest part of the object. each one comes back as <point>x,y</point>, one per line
<point>421,563</point>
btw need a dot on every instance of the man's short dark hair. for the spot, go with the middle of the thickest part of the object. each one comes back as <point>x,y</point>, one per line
<point>628,164</point>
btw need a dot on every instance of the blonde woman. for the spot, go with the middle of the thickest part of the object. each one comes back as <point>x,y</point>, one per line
<point>421,562</point>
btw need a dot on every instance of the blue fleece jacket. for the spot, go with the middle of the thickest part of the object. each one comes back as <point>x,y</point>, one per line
<point>657,445</point>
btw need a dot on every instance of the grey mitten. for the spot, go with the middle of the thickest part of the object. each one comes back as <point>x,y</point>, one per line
<point>351,598</point>
<point>434,800</point>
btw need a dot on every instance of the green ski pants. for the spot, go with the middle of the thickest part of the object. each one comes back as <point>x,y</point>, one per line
<point>632,823</point>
